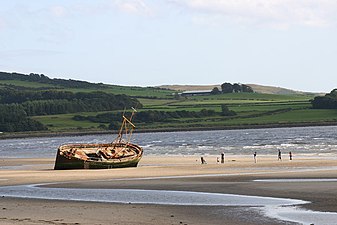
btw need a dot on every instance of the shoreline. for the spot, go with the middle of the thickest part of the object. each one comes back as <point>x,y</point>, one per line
<point>184,173</point>
<point>32,134</point>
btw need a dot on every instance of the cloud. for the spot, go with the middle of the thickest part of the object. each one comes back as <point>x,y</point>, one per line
<point>2,24</point>
<point>57,11</point>
<point>276,13</point>
<point>93,8</point>
<point>137,7</point>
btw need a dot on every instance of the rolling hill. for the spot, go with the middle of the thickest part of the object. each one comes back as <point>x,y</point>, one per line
<point>262,89</point>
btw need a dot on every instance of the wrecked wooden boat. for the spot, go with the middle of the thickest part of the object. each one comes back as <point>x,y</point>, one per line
<point>118,154</point>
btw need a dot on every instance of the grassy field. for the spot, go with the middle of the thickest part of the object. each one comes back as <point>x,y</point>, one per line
<point>64,122</point>
<point>253,109</point>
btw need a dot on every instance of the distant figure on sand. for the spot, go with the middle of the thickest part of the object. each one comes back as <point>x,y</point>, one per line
<point>255,157</point>
<point>279,155</point>
<point>223,157</point>
<point>290,156</point>
<point>217,160</point>
<point>203,161</point>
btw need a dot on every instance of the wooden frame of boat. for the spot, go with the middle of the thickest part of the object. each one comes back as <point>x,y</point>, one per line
<point>118,154</point>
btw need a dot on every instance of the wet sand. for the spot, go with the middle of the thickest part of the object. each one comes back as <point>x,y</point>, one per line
<point>182,173</point>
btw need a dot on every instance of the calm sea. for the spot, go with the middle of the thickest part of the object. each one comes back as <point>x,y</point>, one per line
<point>311,140</point>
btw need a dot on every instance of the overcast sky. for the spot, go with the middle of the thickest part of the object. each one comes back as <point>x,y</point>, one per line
<point>285,43</point>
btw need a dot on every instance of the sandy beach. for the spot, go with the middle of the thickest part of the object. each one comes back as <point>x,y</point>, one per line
<point>177,173</point>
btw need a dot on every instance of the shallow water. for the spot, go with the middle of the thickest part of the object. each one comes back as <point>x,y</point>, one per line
<point>299,140</point>
<point>298,215</point>
<point>279,208</point>
<point>143,196</point>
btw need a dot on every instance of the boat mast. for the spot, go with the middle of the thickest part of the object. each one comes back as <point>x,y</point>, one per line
<point>125,126</point>
<point>132,125</point>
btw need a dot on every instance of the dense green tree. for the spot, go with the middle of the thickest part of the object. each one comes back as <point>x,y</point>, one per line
<point>227,88</point>
<point>230,88</point>
<point>226,112</point>
<point>151,116</point>
<point>58,102</point>
<point>329,101</point>
<point>215,91</point>
<point>114,125</point>
<point>13,118</point>
<point>237,88</point>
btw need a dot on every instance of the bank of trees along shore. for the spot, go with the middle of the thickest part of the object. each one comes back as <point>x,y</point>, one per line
<point>37,103</point>
<point>329,101</point>
<point>153,116</point>
<point>17,105</point>
<point>14,118</point>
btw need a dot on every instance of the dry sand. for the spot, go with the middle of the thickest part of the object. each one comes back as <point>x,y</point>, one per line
<point>169,173</point>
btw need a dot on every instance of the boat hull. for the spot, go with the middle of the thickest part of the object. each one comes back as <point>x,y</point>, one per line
<point>89,156</point>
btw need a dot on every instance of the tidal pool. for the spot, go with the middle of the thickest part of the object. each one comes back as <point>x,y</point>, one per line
<point>279,208</point>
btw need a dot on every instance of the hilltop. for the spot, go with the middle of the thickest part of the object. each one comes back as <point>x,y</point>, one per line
<point>276,90</point>
<point>262,89</point>
<point>40,81</point>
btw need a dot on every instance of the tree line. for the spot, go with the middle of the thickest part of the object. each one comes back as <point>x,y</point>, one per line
<point>152,116</point>
<point>329,101</point>
<point>232,88</point>
<point>41,78</point>
<point>25,103</point>
<point>13,118</point>
<point>49,102</point>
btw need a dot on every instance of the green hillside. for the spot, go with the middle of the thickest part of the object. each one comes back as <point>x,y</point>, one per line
<point>58,105</point>
<point>146,92</point>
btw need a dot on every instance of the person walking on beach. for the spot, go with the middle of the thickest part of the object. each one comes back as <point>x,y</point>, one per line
<point>222,157</point>
<point>203,161</point>
<point>255,157</point>
<point>279,155</point>
<point>290,156</point>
